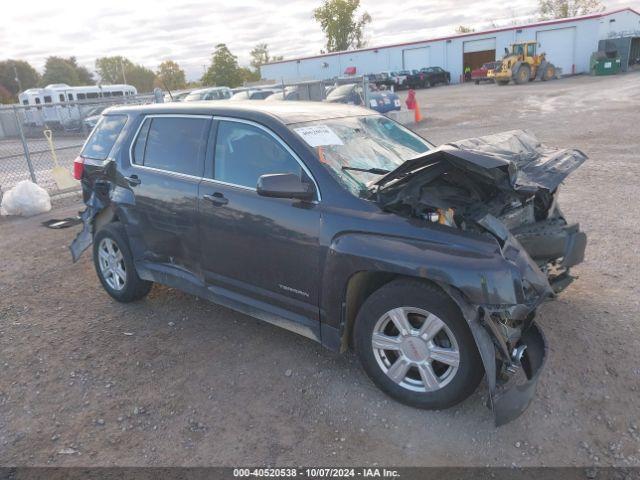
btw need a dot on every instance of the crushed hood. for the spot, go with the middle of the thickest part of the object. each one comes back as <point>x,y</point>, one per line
<point>513,160</point>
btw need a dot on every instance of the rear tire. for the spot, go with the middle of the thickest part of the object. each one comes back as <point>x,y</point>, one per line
<point>432,363</point>
<point>114,265</point>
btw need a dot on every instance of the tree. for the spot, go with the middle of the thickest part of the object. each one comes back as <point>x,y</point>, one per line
<point>247,75</point>
<point>59,70</point>
<point>224,69</point>
<point>65,70</point>
<point>170,75</point>
<point>464,29</point>
<point>111,69</point>
<point>338,21</point>
<point>5,95</point>
<point>260,56</point>
<point>84,75</point>
<point>140,77</point>
<point>27,77</point>
<point>550,9</point>
<point>119,69</point>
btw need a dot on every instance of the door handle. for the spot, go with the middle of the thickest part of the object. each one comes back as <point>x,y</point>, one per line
<point>133,180</point>
<point>217,199</point>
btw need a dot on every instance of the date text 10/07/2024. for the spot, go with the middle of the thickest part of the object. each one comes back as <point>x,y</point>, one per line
<point>316,472</point>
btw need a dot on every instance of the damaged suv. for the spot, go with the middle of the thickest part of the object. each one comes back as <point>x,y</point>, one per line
<point>345,227</point>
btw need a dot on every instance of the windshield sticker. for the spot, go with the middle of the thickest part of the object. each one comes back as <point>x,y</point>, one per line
<point>373,103</point>
<point>319,135</point>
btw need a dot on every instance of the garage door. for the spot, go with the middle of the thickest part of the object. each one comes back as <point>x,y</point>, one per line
<point>478,52</point>
<point>415,58</point>
<point>560,47</point>
<point>483,44</point>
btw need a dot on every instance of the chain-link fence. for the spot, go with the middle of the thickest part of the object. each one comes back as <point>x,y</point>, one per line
<point>25,152</point>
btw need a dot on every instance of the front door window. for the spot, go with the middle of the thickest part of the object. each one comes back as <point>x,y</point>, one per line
<point>245,152</point>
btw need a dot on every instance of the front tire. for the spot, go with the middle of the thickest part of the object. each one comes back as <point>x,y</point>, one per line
<point>416,346</point>
<point>523,75</point>
<point>549,72</point>
<point>114,265</point>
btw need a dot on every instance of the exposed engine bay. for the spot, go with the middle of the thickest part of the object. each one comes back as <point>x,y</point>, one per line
<point>505,181</point>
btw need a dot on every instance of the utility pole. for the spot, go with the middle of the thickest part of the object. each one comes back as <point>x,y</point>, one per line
<point>15,71</point>
<point>124,78</point>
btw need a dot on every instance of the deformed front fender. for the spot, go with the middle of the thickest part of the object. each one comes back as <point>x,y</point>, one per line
<point>472,266</point>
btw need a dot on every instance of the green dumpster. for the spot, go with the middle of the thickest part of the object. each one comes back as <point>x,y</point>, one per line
<point>605,66</point>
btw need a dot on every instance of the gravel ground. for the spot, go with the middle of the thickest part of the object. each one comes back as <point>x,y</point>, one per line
<point>173,380</point>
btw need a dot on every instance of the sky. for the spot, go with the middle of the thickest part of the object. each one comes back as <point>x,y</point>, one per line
<point>148,32</point>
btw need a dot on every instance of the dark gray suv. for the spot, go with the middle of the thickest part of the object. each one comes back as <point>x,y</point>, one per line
<point>345,227</point>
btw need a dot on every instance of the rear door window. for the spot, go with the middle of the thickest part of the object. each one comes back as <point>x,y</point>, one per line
<point>104,136</point>
<point>173,144</point>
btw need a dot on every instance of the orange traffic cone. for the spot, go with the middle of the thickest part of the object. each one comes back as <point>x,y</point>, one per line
<point>416,112</point>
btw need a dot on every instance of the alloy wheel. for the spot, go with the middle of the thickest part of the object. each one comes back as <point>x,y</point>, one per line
<point>112,265</point>
<point>415,349</point>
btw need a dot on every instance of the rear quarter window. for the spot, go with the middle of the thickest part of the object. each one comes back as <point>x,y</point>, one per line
<point>104,136</point>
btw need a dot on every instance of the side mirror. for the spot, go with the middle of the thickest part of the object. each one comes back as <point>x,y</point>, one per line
<point>284,185</point>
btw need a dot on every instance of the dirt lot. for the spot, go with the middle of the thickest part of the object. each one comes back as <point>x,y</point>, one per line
<point>173,380</point>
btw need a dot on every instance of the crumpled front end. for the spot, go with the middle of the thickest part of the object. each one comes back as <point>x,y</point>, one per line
<point>503,187</point>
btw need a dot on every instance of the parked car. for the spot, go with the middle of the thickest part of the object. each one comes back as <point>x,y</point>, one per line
<point>213,93</point>
<point>388,80</point>
<point>401,79</point>
<point>344,226</point>
<point>289,93</point>
<point>352,93</point>
<point>429,77</point>
<point>177,96</point>
<point>484,73</point>
<point>257,94</point>
<point>383,80</point>
<point>92,116</point>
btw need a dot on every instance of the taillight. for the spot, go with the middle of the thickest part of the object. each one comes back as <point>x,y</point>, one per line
<point>78,168</point>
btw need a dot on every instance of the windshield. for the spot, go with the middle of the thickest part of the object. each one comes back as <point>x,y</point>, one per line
<point>240,96</point>
<point>195,96</point>
<point>367,142</point>
<point>208,95</point>
<point>340,91</point>
<point>95,111</point>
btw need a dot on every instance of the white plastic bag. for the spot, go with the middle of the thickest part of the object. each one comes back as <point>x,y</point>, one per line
<point>25,199</point>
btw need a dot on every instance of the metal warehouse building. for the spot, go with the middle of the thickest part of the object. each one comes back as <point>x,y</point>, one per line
<point>568,43</point>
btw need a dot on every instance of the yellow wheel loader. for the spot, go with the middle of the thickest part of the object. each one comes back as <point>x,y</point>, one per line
<point>522,64</point>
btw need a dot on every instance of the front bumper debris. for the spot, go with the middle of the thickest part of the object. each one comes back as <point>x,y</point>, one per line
<point>510,400</point>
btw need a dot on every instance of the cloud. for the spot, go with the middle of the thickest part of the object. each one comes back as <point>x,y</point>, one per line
<point>149,32</point>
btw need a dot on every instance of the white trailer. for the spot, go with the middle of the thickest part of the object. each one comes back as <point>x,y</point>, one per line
<point>60,104</point>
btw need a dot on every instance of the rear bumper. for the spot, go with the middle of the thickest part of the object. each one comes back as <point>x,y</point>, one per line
<point>509,400</point>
